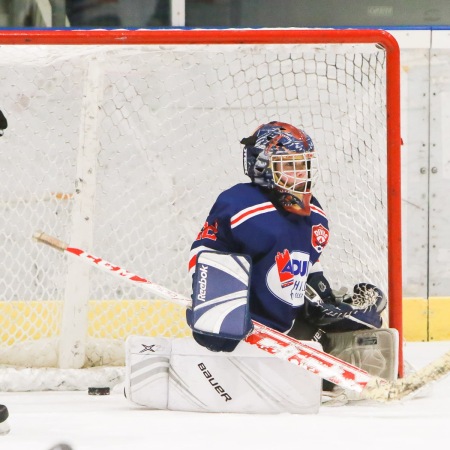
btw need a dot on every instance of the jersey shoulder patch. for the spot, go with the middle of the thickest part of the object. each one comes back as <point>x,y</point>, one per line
<point>319,237</point>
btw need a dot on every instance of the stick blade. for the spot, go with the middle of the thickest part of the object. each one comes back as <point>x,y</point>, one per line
<point>409,386</point>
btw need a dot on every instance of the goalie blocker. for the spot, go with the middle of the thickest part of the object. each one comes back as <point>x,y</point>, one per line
<point>219,316</point>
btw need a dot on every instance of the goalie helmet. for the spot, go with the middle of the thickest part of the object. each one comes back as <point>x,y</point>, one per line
<point>280,156</point>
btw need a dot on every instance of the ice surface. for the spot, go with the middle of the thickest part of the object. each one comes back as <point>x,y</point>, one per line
<point>40,420</point>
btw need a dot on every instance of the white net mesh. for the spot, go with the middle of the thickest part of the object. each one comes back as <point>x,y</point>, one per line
<point>124,150</point>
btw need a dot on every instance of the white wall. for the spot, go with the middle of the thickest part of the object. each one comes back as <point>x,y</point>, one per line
<point>425,93</point>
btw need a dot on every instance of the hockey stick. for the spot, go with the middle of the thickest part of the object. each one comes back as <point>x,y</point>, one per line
<point>282,346</point>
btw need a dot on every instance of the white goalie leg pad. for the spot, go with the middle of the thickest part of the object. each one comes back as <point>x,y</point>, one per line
<point>244,381</point>
<point>180,375</point>
<point>147,371</point>
<point>375,351</point>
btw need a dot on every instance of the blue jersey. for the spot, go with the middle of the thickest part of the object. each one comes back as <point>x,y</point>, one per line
<point>283,247</point>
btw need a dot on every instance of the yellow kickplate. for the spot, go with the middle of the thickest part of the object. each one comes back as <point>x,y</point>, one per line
<point>415,319</point>
<point>426,319</point>
<point>439,329</point>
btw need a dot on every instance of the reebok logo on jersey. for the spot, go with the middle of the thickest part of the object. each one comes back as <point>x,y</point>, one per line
<point>202,282</point>
<point>319,237</point>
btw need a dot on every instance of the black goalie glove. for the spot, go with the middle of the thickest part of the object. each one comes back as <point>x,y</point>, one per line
<point>325,307</point>
<point>366,296</point>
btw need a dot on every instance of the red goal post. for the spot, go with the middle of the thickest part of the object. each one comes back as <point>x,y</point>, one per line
<point>248,76</point>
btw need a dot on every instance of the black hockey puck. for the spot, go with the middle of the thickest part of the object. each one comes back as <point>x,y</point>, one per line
<point>4,414</point>
<point>4,425</point>
<point>61,446</point>
<point>99,391</point>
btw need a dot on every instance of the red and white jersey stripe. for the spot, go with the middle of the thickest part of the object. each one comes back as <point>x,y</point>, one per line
<point>318,210</point>
<point>250,212</point>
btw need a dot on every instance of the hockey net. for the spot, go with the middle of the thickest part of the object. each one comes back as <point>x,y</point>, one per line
<point>122,150</point>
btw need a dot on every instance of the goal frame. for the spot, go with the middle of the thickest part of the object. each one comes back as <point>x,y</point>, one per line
<point>274,36</point>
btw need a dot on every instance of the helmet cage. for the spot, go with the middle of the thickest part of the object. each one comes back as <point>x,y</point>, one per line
<point>294,172</point>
